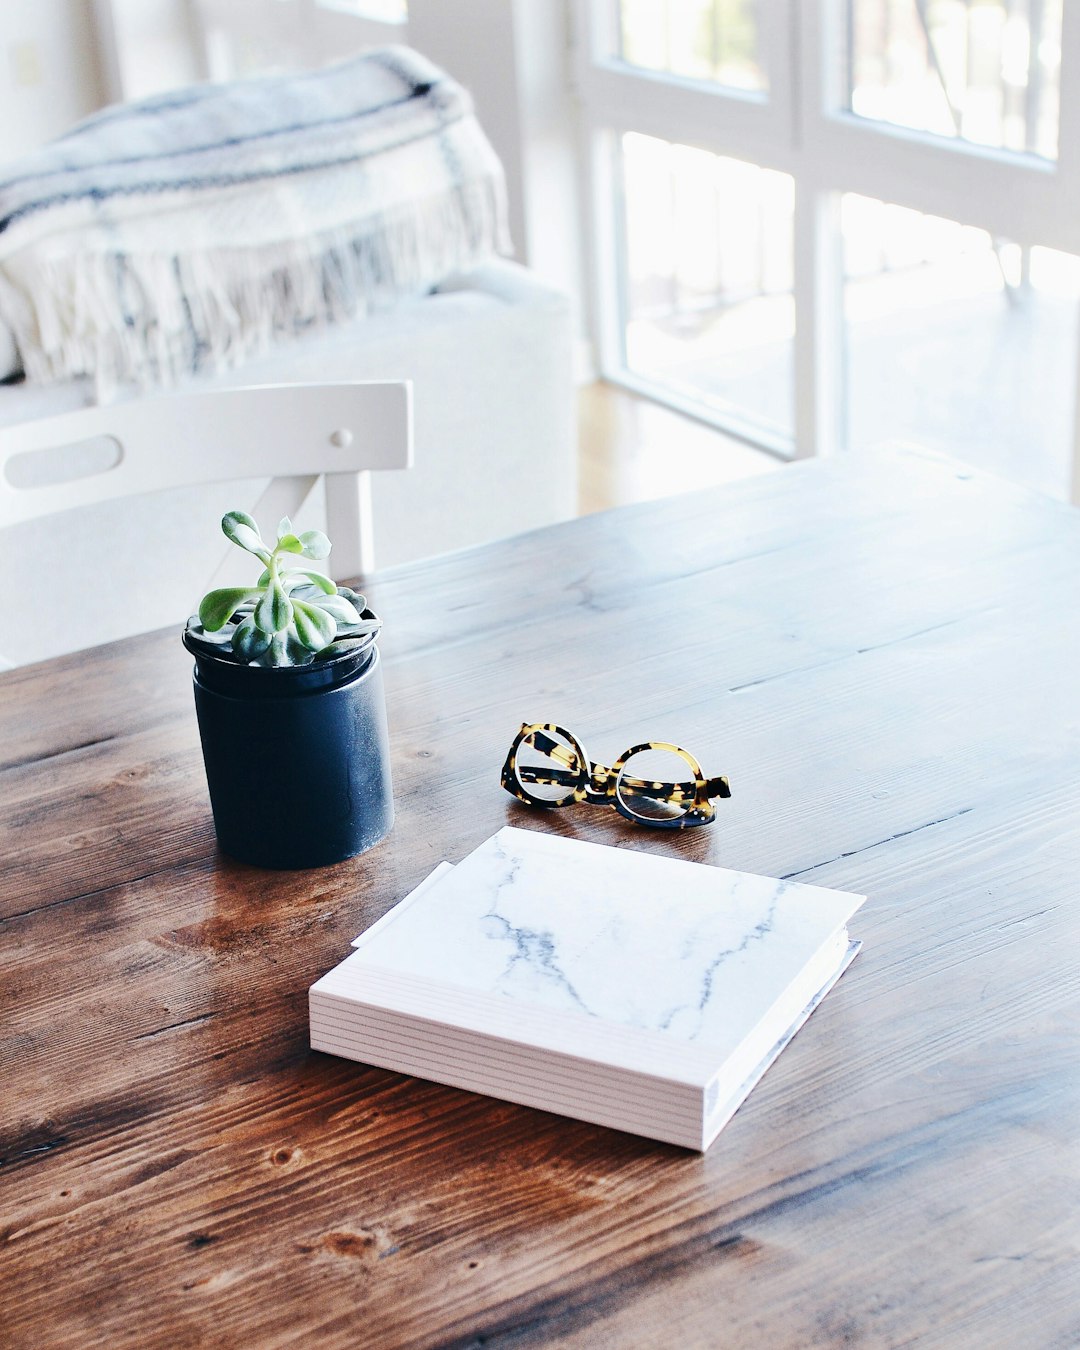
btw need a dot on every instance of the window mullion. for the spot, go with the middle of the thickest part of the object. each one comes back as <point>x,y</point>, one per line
<point>819,323</point>
<point>1068,164</point>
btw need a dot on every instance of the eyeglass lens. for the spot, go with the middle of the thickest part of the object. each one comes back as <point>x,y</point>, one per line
<point>656,785</point>
<point>547,766</point>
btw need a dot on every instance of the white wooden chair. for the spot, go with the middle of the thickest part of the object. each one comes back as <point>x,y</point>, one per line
<point>289,433</point>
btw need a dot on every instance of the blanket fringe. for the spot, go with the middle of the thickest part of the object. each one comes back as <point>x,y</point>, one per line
<point>153,318</point>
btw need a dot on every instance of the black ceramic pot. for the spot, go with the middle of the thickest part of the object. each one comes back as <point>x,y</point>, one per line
<point>297,758</point>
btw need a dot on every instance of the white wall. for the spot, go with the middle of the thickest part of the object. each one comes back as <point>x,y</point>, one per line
<point>514,57</point>
<point>50,71</point>
<point>147,46</point>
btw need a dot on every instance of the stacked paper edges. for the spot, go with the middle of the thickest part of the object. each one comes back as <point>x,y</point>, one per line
<point>636,991</point>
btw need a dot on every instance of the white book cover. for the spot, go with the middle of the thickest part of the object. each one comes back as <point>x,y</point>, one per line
<point>634,990</point>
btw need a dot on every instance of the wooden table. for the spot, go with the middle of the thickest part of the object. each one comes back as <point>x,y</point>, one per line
<point>883,655</point>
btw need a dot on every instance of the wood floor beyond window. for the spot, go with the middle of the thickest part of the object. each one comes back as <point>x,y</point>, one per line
<point>634,450</point>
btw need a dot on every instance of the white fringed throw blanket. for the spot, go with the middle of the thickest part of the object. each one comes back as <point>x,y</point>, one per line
<point>188,231</point>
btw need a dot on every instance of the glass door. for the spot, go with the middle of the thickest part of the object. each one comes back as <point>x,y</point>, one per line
<point>824,224</point>
<point>695,228</point>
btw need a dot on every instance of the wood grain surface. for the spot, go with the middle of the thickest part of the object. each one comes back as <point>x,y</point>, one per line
<point>883,654</point>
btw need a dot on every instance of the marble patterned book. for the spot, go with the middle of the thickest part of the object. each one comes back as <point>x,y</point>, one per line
<point>629,989</point>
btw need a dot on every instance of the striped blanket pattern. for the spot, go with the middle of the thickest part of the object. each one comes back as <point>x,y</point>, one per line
<point>188,231</point>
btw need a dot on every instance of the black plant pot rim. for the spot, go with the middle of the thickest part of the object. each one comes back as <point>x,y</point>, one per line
<point>216,668</point>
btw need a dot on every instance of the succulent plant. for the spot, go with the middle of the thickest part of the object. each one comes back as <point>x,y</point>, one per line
<point>291,615</point>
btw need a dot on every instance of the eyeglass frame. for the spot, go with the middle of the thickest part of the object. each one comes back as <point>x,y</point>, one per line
<point>598,785</point>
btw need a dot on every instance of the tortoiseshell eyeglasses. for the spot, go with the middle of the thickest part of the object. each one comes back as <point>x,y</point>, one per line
<point>653,783</point>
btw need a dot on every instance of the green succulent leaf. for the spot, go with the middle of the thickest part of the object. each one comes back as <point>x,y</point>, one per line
<point>242,530</point>
<point>233,518</point>
<point>337,606</point>
<point>249,642</point>
<point>218,607</point>
<point>221,638</point>
<point>284,528</point>
<point>318,579</point>
<point>314,626</point>
<point>361,629</point>
<point>277,654</point>
<point>274,612</point>
<point>292,578</point>
<point>347,640</point>
<point>315,544</point>
<point>299,654</point>
<point>288,543</point>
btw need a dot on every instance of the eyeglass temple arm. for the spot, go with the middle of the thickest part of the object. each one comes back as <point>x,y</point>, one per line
<point>548,746</point>
<point>715,787</point>
<point>530,773</point>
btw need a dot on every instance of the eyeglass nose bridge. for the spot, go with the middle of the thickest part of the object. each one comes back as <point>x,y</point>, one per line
<point>597,783</point>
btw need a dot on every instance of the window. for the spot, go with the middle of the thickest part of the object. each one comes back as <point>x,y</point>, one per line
<point>798,202</point>
<point>713,40</point>
<point>985,71</point>
<point>707,282</point>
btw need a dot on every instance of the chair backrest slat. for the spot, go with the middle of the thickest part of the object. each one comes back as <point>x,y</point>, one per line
<point>179,440</point>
